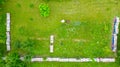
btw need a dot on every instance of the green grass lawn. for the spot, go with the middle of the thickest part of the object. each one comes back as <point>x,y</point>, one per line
<point>60,64</point>
<point>72,64</point>
<point>87,35</point>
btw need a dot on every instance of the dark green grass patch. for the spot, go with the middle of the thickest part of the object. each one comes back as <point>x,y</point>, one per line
<point>2,34</point>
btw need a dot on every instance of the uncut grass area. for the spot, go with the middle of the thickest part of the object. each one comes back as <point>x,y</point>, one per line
<point>88,34</point>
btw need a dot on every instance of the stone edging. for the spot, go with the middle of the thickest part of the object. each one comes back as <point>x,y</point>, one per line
<point>71,59</point>
<point>114,34</point>
<point>8,31</point>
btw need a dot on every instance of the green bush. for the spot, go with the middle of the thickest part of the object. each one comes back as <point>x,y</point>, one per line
<point>28,58</point>
<point>27,46</point>
<point>2,1</point>
<point>2,64</point>
<point>13,60</point>
<point>44,10</point>
<point>2,49</point>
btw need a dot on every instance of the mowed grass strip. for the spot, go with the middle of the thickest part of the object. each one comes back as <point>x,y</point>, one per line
<point>72,64</point>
